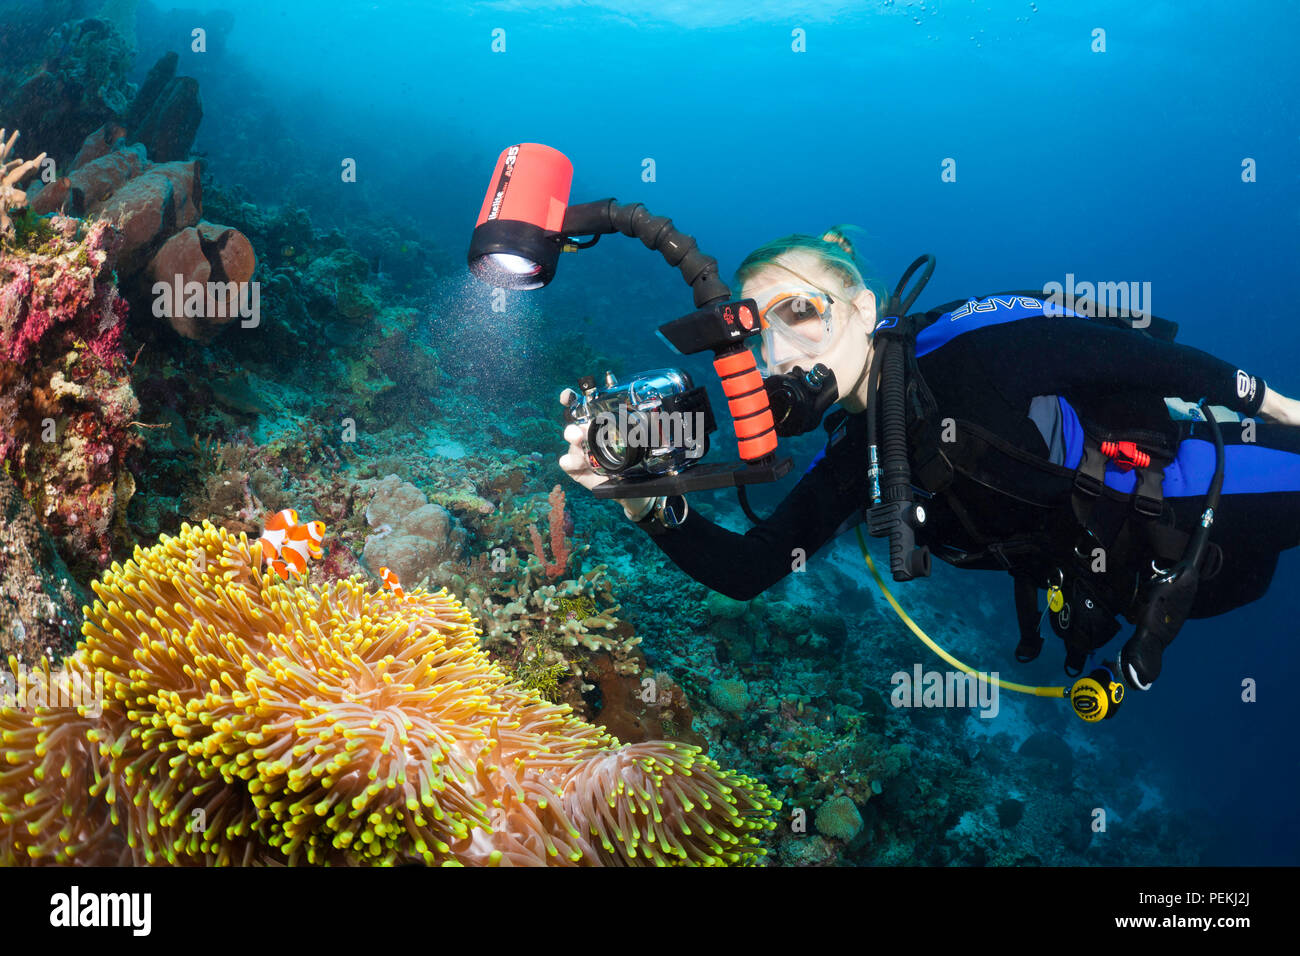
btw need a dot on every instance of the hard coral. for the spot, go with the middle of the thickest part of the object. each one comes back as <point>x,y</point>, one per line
<point>250,720</point>
<point>12,172</point>
<point>158,209</point>
<point>839,818</point>
<point>39,603</point>
<point>409,535</point>
<point>578,612</point>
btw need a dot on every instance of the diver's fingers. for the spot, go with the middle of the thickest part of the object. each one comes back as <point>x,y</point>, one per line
<point>571,464</point>
<point>574,464</point>
<point>568,397</point>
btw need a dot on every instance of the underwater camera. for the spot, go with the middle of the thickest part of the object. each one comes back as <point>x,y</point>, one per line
<point>656,424</point>
<point>524,224</point>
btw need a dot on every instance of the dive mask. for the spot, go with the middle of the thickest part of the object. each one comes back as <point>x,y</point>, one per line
<point>797,323</point>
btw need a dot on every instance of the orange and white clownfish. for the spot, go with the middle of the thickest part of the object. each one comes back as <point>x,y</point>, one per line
<point>288,545</point>
<point>389,578</point>
<point>313,532</point>
<point>274,532</point>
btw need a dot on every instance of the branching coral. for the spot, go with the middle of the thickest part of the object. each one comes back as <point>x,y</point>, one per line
<point>250,720</point>
<point>578,612</point>
<point>12,172</point>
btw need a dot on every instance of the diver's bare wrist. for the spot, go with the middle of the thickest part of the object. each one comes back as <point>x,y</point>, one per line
<point>643,512</point>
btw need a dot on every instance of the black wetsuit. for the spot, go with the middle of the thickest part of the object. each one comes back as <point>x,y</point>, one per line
<point>993,362</point>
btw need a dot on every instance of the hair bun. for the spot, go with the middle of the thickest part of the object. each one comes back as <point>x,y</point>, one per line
<point>832,235</point>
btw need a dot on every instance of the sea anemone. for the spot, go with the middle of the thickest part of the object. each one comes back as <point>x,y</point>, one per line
<point>248,719</point>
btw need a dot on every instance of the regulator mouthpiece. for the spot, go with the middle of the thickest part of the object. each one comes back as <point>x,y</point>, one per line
<point>799,399</point>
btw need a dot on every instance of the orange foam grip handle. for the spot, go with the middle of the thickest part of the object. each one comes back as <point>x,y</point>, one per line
<point>747,401</point>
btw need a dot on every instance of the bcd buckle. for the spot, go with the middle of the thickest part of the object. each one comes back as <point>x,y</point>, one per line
<point>1148,494</point>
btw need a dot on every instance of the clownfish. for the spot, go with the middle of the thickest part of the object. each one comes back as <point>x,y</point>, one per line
<point>314,534</point>
<point>274,533</point>
<point>389,578</point>
<point>287,545</point>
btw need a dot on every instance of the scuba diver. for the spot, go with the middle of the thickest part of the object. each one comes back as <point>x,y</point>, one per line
<point>1067,447</point>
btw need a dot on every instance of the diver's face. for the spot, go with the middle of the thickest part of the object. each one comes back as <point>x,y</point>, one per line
<point>810,316</point>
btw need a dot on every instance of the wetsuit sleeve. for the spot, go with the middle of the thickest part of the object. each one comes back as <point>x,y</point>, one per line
<point>1067,355</point>
<point>742,566</point>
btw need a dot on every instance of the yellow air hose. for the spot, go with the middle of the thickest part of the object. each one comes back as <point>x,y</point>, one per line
<point>1062,692</point>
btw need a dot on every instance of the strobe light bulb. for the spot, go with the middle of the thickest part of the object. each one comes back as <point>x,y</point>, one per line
<point>517,265</point>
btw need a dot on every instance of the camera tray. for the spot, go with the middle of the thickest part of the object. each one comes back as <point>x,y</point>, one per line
<point>699,478</point>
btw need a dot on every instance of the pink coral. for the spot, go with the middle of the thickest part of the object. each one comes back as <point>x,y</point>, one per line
<point>561,550</point>
<point>66,402</point>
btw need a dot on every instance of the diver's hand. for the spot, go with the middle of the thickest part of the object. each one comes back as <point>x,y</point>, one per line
<point>574,463</point>
<point>1279,408</point>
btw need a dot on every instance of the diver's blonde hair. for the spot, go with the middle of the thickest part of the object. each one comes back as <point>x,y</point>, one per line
<point>841,240</point>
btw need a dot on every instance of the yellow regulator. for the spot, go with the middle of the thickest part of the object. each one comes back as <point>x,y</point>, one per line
<point>1097,696</point>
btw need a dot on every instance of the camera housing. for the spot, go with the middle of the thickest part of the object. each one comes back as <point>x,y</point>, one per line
<point>655,424</point>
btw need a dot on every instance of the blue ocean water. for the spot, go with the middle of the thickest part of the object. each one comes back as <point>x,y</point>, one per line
<point>1122,165</point>
<point>765,118</point>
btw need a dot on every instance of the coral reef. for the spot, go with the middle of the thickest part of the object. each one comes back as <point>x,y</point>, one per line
<point>409,534</point>
<point>62,78</point>
<point>66,402</point>
<point>572,625</point>
<point>158,208</point>
<point>250,720</point>
<point>40,604</point>
<point>380,385</point>
<point>12,172</point>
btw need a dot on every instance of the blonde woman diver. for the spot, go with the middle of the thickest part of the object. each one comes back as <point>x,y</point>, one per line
<point>1060,441</point>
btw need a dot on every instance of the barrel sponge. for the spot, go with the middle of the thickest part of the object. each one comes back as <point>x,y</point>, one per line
<point>249,720</point>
